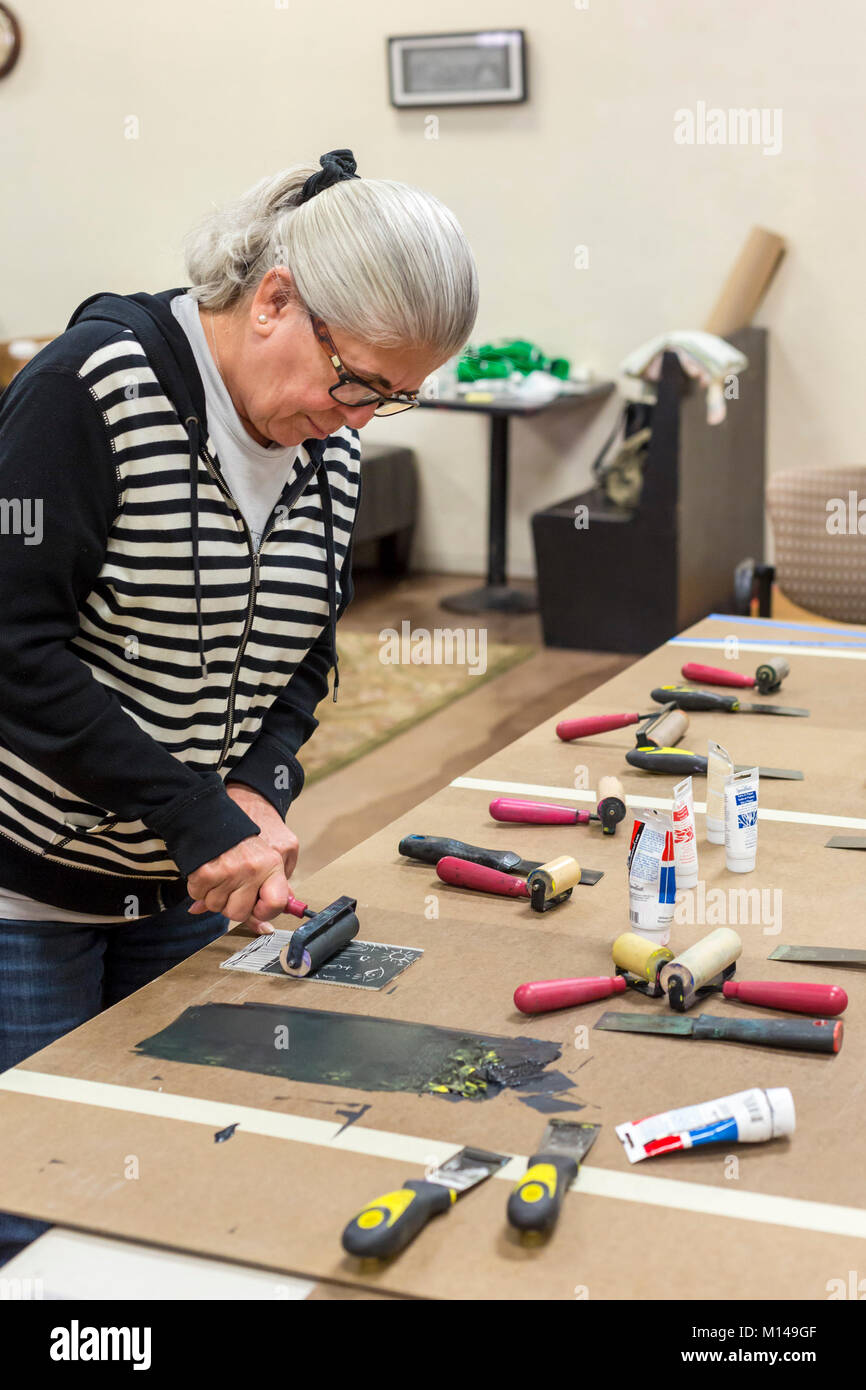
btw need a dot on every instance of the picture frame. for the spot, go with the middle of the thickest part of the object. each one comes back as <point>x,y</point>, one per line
<point>481,67</point>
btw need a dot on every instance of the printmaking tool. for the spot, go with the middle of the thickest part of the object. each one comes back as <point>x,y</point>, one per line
<point>534,1203</point>
<point>799,1034</point>
<point>387,1225</point>
<point>819,955</point>
<point>609,811</point>
<point>680,762</point>
<point>541,996</point>
<point>326,933</point>
<point>546,887</point>
<point>429,849</point>
<point>766,680</point>
<point>570,729</point>
<point>824,1000</point>
<point>711,961</point>
<point>638,962</point>
<point>684,697</point>
<point>846,842</point>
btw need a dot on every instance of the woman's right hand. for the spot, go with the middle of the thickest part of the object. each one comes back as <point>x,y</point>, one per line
<point>249,880</point>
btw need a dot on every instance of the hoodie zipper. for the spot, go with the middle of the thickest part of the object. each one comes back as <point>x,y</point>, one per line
<point>251,605</point>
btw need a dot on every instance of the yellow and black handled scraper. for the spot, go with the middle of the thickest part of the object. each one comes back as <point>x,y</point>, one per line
<point>387,1225</point>
<point>534,1203</point>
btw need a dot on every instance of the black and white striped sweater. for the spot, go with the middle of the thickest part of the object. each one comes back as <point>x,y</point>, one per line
<point>146,649</point>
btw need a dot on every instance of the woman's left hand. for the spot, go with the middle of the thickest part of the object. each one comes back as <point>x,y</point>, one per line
<point>274,831</point>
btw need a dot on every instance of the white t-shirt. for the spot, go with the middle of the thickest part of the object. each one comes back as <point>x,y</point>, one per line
<point>255,475</point>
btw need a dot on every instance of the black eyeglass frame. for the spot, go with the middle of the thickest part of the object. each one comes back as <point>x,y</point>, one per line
<point>405,400</point>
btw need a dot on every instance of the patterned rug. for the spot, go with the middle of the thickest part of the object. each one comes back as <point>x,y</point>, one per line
<point>380,697</point>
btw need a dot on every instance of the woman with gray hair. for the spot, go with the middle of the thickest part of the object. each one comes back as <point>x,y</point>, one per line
<point>193,458</point>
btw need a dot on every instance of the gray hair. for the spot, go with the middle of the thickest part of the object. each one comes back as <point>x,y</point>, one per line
<point>383,261</point>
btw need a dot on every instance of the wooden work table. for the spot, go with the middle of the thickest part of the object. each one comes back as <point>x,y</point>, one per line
<point>780,1222</point>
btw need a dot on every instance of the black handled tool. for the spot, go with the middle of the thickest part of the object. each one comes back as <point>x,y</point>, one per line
<point>679,762</point>
<point>429,849</point>
<point>535,1201</point>
<point>687,698</point>
<point>387,1225</point>
<point>800,1034</point>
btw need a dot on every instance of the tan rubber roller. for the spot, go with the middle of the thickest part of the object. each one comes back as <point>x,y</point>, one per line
<point>557,875</point>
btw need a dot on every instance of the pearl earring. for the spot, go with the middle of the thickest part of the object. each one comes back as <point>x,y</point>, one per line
<point>263,318</point>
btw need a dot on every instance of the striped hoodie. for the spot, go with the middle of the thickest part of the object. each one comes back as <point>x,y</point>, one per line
<point>147,651</point>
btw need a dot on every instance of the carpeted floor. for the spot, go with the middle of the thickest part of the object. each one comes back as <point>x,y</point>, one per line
<point>379,699</point>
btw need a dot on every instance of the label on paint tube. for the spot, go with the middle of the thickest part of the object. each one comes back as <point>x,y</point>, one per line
<point>741,820</point>
<point>720,765</point>
<point>748,1117</point>
<point>652,886</point>
<point>685,840</point>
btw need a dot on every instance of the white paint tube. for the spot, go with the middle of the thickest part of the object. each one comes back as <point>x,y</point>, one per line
<point>720,765</point>
<point>685,840</point>
<point>652,887</point>
<point>741,820</point>
<point>747,1117</point>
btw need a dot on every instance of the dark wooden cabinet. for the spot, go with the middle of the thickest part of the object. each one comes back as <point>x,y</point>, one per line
<point>632,579</point>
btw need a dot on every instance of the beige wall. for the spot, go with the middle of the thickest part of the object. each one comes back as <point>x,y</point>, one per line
<point>227,90</point>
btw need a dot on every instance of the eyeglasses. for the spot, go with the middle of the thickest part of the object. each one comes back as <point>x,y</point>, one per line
<point>354,390</point>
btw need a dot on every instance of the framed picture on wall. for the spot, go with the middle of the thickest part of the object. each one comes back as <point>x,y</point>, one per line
<point>476,69</point>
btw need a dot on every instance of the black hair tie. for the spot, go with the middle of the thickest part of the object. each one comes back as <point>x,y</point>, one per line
<point>337,165</point>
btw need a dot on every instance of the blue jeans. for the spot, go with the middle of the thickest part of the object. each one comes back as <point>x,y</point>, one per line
<point>56,975</point>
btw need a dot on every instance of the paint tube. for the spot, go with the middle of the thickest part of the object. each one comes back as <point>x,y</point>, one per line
<point>748,1117</point>
<point>720,765</point>
<point>741,820</point>
<point>651,877</point>
<point>685,840</point>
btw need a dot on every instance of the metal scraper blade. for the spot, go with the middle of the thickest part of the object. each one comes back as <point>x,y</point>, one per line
<point>645,1023</point>
<point>467,1168</point>
<point>571,1138</point>
<point>846,842</point>
<point>819,955</point>
<point>775,709</point>
<point>785,774</point>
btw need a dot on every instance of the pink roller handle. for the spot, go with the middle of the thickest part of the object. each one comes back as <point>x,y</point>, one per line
<point>540,996</point>
<point>536,813</point>
<point>295,906</point>
<point>715,675</point>
<point>594,724</point>
<point>826,1000</point>
<point>464,874</point>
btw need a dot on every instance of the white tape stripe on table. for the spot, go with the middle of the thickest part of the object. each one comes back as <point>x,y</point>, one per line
<point>776,648</point>
<point>657,803</point>
<point>410,1149</point>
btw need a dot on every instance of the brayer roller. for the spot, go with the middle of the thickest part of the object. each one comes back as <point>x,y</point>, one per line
<point>767,678</point>
<point>638,962</point>
<point>322,936</point>
<point>547,886</point>
<point>569,729</point>
<point>710,959</point>
<point>610,809</point>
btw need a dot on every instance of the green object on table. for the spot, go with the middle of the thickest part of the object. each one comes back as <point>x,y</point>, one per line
<point>500,360</point>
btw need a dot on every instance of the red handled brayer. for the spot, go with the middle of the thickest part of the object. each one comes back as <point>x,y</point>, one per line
<point>609,811</point>
<point>429,849</point>
<point>547,886</point>
<point>767,678</point>
<point>662,728</point>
